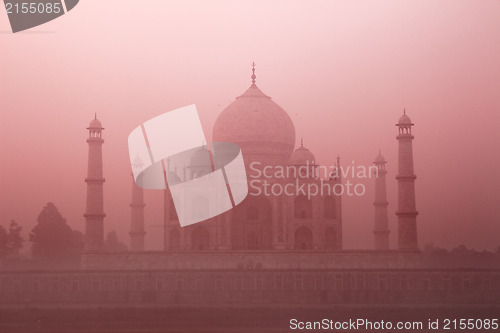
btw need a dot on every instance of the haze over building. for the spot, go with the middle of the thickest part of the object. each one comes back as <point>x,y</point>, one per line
<point>266,135</point>
<point>340,75</point>
<point>272,250</point>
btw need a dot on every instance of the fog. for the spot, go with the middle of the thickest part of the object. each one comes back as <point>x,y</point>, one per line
<point>344,71</point>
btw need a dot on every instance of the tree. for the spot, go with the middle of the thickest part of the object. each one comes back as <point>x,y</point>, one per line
<point>14,239</point>
<point>53,241</point>
<point>113,244</point>
<point>3,242</point>
<point>11,241</point>
<point>431,249</point>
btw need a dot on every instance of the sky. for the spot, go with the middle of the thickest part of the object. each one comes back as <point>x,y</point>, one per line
<point>343,70</point>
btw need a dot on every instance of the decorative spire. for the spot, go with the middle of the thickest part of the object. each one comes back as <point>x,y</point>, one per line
<point>301,142</point>
<point>404,111</point>
<point>379,152</point>
<point>95,115</point>
<point>253,73</point>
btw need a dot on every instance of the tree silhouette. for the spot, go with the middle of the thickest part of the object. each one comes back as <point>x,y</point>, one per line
<point>14,241</point>
<point>113,244</point>
<point>10,241</point>
<point>3,241</point>
<point>54,242</point>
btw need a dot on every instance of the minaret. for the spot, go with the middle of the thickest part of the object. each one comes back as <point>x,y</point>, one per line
<point>94,212</point>
<point>381,230</point>
<point>137,205</point>
<point>407,213</point>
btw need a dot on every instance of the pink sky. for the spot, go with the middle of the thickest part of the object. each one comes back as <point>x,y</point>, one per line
<point>343,70</point>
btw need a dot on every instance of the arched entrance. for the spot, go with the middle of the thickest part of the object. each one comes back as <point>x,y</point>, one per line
<point>303,239</point>
<point>251,225</point>
<point>302,207</point>
<point>200,239</point>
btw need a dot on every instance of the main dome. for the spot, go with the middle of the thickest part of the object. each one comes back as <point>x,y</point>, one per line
<point>253,119</point>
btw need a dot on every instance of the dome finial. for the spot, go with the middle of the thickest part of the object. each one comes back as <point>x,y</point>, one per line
<point>404,111</point>
<point>95,115</point>
<point>379,151</point>
<point>253,73</point>
<point>301,142</point>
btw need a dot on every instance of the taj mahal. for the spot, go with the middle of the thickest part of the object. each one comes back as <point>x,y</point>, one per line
<point>298,222</point>
<point>268,250</point>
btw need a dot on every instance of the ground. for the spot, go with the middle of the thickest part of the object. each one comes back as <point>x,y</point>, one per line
<point>219,320</point>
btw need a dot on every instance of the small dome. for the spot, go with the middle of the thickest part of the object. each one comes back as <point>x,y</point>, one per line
<point>380,159</point>
<point>301,156</point>
<point>95,124</point>
<point>404,120</point>
<point>201,158</point>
